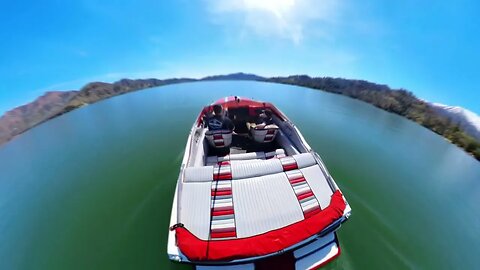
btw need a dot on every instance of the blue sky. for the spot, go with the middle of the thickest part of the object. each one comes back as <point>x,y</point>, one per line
<point>428,47</point>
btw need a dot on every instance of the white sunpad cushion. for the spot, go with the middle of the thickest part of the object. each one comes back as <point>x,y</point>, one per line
<point>251,155</point>
<point>245,156</point>
<point>195,208</point>
<point>263,204</point>
<point>198,174</point>
<point>255,168</point>
<point>304,160</point>
<point>243,167</point>
<point>318,184</point>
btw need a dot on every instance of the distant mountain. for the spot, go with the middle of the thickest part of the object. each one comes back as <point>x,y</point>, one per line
<point>467,120</point>
<point>96,91</point>
<point>55,103</point>
<point>27,116</point>
<point>234,76</point>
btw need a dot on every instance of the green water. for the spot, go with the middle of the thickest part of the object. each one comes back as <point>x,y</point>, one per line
<point>92,189</point>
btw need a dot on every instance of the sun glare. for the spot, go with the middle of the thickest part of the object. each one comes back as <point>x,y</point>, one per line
<point>277,7</point>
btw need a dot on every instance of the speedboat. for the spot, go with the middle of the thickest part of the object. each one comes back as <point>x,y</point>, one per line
<point>257,197</point>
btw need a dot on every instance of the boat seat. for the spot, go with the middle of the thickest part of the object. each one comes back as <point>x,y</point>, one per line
<point>265,134</point>
<point>219,138</point>
<point>211,160</point>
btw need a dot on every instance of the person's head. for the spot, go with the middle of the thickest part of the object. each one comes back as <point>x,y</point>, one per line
<point>268,113</point>
<point>217,109</point>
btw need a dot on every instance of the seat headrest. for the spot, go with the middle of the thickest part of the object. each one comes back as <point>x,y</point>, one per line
<point>246,156</point>
<point>254,168</point>
<point>241,169</point>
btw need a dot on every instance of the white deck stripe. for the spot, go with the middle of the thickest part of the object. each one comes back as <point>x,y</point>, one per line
<point>308,199</point>
<point>222,201</point>
<point>309,206</point>
<point>223,226</point>
<point>299,183</point>
<point>302,189</point>
<point>318,184</point>
<point>223,221</point>
<point>222,217</point>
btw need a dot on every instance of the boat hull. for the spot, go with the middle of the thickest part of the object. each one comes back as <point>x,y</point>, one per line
<point>311,252</point>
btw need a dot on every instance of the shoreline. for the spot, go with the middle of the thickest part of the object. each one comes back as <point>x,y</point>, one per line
<point>397,101</point>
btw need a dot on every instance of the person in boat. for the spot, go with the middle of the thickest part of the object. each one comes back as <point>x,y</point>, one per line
<point>263,120</point>
<point>218,121</point>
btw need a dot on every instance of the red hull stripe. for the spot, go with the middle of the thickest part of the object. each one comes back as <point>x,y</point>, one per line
<point>267,243</point>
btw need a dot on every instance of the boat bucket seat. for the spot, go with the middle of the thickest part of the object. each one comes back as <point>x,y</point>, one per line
<point>265,134</point>
<point>219,138</point>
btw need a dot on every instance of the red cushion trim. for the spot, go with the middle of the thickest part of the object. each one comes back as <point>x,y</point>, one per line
<point>222,212</point>
<point>222,208</point>
<point>288,167</point>
<point>223,234</point>
<point>221,193</point>
<point>196,249</point>
<point>304,195</point>
<point>225,176</point>
<point>311,212</point>
<point>298,180</point>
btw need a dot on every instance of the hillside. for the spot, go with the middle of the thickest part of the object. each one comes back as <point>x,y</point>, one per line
<point>466,120</point>
<point>27,116</point>
<point>399,101</point>
<point>55,103</point>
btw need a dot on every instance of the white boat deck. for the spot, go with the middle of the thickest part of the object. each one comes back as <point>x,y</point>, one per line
<point>261,194</point>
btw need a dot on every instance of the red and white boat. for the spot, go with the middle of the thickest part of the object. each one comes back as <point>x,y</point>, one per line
<point>255,198</point>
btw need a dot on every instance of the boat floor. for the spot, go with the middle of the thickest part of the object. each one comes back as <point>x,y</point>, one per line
<point>241,143</point>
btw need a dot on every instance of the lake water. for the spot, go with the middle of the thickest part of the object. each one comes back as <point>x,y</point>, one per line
<point>93,189</point>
